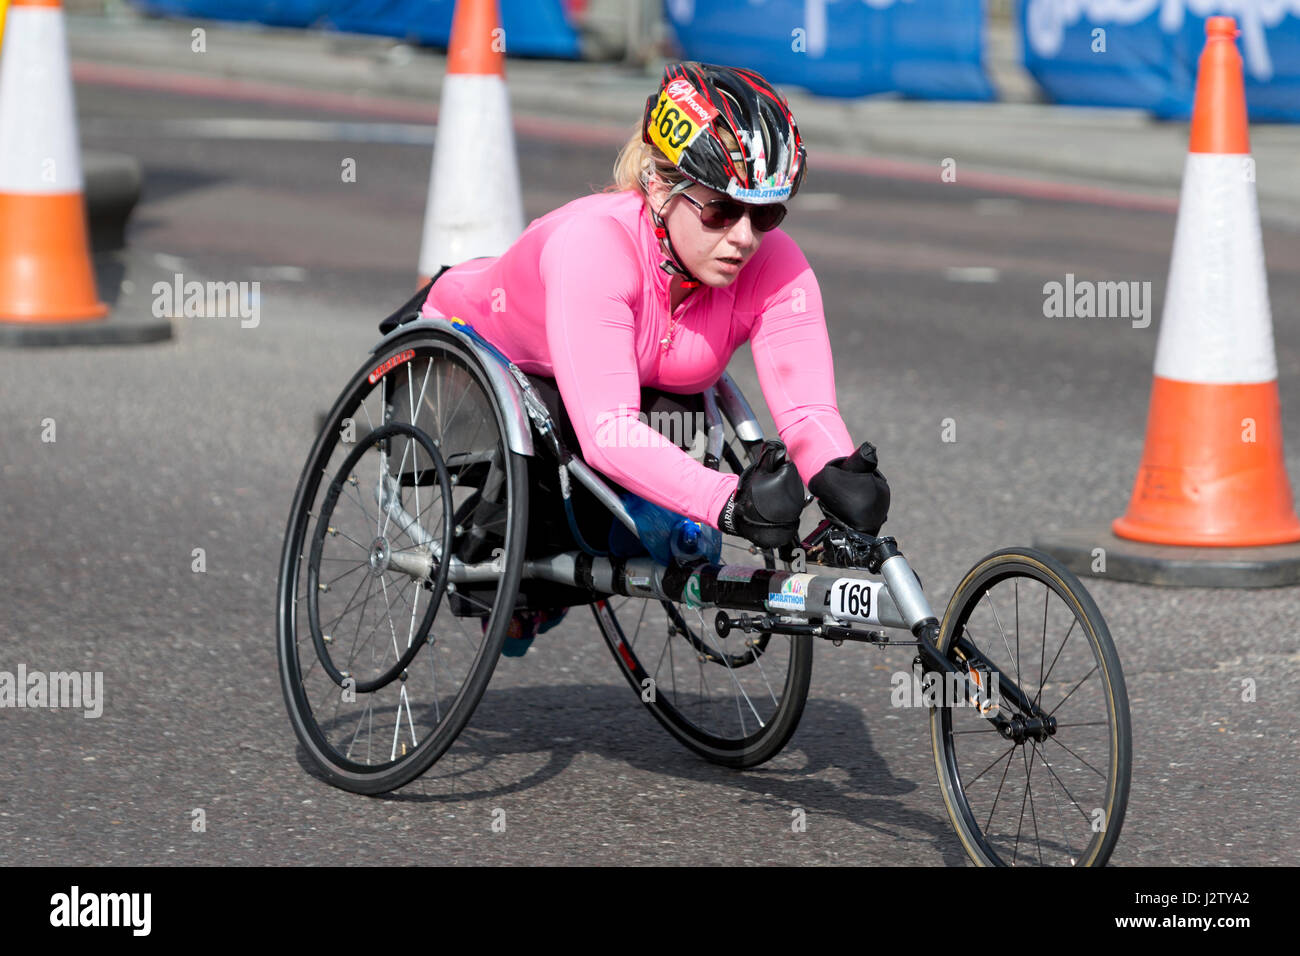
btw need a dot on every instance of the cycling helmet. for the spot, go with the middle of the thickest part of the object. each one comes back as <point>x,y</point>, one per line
<point>697,100</point>
<point>694,102</point>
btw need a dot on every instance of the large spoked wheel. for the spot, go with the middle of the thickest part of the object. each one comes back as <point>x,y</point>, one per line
<point>734,700</point>
<point>383,654</point>
<point>1050,787</point>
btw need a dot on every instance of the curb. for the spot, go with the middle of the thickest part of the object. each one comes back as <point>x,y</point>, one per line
<point>1277,566</point>
<point>114,330</point>
<point>125,324</point>
<point>112,184</point>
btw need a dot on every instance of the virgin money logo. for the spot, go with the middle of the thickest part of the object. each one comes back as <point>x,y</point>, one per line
<point>683,94</point>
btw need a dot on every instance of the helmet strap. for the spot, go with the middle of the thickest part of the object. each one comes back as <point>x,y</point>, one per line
<point>673,265</point>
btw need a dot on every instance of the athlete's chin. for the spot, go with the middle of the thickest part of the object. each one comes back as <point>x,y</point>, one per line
<point>720,273</point>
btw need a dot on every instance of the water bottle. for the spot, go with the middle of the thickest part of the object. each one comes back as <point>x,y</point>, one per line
<point>691,541</point>
<point>666,535</point>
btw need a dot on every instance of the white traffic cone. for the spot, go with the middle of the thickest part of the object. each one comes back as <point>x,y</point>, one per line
<point>475,207</point>
<point>1213,471</point>
<point>45,268</point>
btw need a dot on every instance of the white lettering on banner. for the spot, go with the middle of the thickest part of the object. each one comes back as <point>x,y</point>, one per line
<point>1046,21</point>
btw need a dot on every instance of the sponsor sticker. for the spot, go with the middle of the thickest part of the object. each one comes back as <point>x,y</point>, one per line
<point>763,194</point>
<point>678,118</point>
<point>389,364</point>
<point>793,595</point>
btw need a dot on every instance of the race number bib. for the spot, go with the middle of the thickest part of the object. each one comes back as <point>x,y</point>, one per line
<point>678,118</point>
<point>855,599</point>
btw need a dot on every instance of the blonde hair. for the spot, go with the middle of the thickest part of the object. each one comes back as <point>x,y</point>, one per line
<point>637,160</point>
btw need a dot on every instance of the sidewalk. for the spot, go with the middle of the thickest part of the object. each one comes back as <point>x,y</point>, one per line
<point>1123,148</point>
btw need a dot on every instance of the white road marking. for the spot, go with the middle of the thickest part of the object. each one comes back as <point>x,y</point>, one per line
<point>971,274</point>
<point>322,131</point>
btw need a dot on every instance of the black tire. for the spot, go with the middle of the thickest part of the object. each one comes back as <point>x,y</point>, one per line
<point>420,669</point>
<point>764,677</point>
<point>1055,801</point>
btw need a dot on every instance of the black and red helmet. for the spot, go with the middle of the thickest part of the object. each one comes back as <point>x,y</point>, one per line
<point>696,100</point>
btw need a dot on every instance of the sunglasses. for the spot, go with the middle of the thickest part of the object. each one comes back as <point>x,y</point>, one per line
<point>725,213</point>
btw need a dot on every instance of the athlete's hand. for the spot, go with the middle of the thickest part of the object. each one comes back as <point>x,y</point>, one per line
<point>852,490</point>
<point>766,505</point>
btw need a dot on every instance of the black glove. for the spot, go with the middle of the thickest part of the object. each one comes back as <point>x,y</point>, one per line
<point>766,505</point>
<point>852,490</point>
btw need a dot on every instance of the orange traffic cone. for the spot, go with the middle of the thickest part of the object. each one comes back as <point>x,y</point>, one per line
<point>45,268</point>
<point>1212,470</point>
<point>474,207</point>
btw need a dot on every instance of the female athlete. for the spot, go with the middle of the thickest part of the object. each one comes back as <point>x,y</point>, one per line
<point>642,293</point>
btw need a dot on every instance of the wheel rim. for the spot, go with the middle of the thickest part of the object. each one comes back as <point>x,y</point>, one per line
<point>721,703</point>
<point>431,417</point>
<point>1054,801</point>
<point>734,699</point>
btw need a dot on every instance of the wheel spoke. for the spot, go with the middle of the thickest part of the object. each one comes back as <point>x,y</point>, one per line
<point>1055,658</point>
<point>1072,690</point>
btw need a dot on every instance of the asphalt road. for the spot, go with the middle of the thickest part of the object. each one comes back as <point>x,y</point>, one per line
<point>934,296</point>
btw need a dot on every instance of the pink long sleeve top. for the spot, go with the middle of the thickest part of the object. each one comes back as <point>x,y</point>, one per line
<point>580,297</point>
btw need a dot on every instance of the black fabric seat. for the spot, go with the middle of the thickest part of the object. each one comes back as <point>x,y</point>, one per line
<point>549,521</point>
<point>410,310</point>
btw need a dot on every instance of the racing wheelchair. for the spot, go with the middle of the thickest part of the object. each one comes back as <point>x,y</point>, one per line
<point>427,516</point>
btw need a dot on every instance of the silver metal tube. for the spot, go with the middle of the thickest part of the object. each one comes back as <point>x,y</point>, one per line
<point>900,603</point>
<point>560,568</point>
<point>418,564</point>
<point>738,410</point>
<point>714,419</point>
<point>602,491</point>
<point>906,591</point>
<point>387,497</point>
<point>462,573</point>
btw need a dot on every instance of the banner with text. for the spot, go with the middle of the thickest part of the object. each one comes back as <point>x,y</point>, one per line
<point>529,27</point>
<point>924,48</point>
<point>1143,53</point>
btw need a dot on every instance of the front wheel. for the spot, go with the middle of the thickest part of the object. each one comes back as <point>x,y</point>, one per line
<point>1047,784</point>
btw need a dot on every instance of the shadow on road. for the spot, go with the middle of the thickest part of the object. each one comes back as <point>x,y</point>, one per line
<point>521,738</point>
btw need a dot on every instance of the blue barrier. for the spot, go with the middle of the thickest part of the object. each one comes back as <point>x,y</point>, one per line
<point>923,48</point>
<point>1143,53</point>
<point>278,13</point>
<point>532,27</point>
